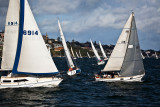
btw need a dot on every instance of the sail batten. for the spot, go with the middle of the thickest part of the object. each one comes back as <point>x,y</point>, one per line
<point>67,53</point>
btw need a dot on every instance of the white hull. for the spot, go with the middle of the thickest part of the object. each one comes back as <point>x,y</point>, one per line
<point>137,78</point>
<point>101,63</point>
<point>17,82</point>
<point>74,72</point>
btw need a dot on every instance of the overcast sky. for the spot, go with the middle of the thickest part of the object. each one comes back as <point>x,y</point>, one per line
<point>99,20</point>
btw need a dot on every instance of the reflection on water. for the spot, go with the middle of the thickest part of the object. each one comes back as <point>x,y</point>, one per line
<point>82,90</point>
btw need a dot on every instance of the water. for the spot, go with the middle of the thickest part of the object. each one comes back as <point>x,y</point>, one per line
<point>82,90</point>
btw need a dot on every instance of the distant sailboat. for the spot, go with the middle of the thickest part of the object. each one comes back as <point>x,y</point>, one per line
<point>147,55</point>
<point>80,54</point>
<point>88,55</point>
<point>99,60</point>
<point>142,56</point>
<point>73,70</point>
<point>73,54</point>
<point>156,55</point>
<point>125,62</point>
<point>77,55</point>
<point>28,52</point>
<point>102,50</point>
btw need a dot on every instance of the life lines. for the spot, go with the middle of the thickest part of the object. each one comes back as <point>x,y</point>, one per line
<point>70,69</point>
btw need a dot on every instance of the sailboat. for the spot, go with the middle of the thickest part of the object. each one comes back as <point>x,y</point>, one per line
<point>80,54</point>
<point>73,54</point>
<point>142,56</point>
<point>99,60</point>
<point>88,55</point>
<point>31,63</point>
<point>125,62</point>
<point>156,55</point>
<point>102,50</point>
<point>77,55</point>
<point>73,70</point>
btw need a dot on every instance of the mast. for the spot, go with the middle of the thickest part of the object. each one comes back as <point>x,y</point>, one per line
<point>102,50</point>
<point>68,55</point>
<point>95,51</point>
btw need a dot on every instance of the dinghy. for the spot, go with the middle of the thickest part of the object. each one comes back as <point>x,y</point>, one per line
<point>26,54</point>
<point>73,54</point>
<point>125,62</point>
<point>99,60</point>
<point>73,70</point>
<point>102,50</point>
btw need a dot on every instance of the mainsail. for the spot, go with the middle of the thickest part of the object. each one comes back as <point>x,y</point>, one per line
<point>126,56</point>
<point>102,50</point>
<point>70,62</point>
<point>156,55</point>
<point>95,51</point>
<point>32,55</point>
<point>10,35</point>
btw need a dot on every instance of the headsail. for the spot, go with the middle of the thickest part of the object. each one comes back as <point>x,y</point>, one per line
<point>32,55</point>
<point>102,50</point>
<point>95,51</point>
<point>117,57</point>
<point>71,64</point>
<point>11,35</point>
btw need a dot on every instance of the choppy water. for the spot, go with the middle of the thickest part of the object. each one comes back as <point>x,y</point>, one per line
<point>82,90</point>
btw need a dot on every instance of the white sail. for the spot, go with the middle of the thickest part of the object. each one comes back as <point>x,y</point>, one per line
<point>70,62</point>
<point>102,50</point>
<point>80,54</point>
<point>142,56</point>
<point>95,51</point>
<point>34,56</point>
<point>156,55</point>
<point>10,35</point>
<point>72,52</point>
<point>88,55</point>
<point>77,55</point>
<point>116,59</point>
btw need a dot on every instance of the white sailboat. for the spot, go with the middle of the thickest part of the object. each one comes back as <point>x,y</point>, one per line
<point>142,56</point>
<point>80,54</point>
<point>99,60</point>
<point>73,70</point>
<point>88,55</point>
<point>102,50</point>
<point>73,54</point>
<point>156,55</point>
<point>77,55</point>
<point>30,60</point>
<point>125,62</point>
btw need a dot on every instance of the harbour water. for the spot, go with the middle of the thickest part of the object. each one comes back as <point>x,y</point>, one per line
<point>83,91</point>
